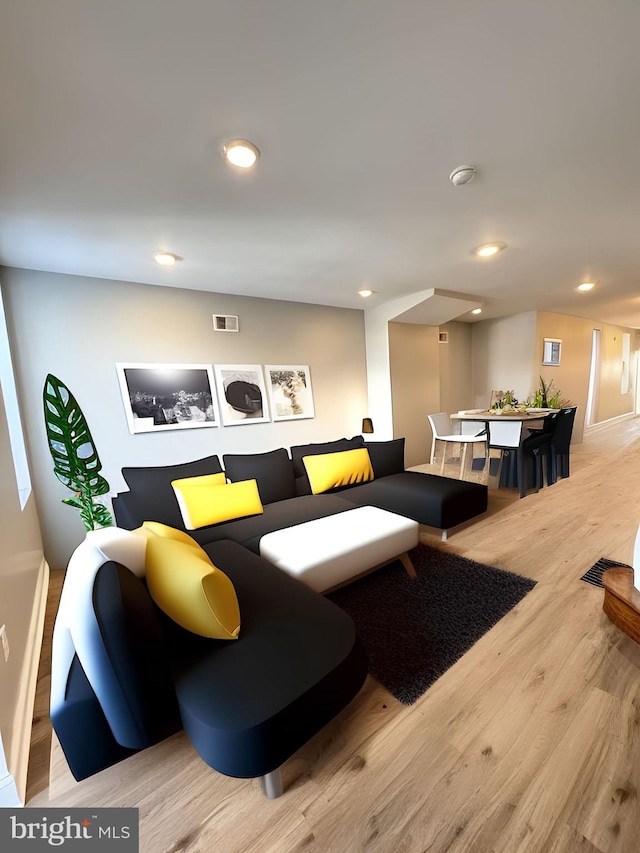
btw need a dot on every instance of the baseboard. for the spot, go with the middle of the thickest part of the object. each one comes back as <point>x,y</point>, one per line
<point>21,741</point>
<point>604,424</point>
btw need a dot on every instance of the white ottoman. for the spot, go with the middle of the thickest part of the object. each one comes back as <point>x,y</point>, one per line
<point>327,552</point>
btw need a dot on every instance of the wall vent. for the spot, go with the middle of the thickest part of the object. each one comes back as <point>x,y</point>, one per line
<point>443,337</point>
<point>226,323</point>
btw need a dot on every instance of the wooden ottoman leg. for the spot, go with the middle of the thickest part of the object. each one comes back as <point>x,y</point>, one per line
<point>405,559</point>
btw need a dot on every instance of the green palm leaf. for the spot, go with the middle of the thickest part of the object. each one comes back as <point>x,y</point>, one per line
<point>75,459</point>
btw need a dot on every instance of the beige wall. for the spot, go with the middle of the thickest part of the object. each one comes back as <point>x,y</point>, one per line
<point>21,569</point>
<point>415,385</point>
<point>78,328</point>
<point>456,388</point>
<point>571,376</point>
<point>611,402</point>
<point>377,320</point>
<point>507,354</point>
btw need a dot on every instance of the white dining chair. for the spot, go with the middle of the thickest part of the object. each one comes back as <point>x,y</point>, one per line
<point>441,430</point>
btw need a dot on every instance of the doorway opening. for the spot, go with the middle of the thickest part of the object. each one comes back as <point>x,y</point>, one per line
<point>594,373</point>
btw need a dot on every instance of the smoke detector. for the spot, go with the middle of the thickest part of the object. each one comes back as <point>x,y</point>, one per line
<point>462,175</point>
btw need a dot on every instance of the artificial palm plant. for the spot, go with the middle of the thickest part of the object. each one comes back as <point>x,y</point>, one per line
<point>546,398</point>
<point>75,459</point>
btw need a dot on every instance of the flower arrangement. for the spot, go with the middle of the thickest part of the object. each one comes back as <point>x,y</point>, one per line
<point>545,398</point>
<point>504,401</point>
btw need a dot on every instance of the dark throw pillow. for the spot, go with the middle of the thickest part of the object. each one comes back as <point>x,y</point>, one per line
<point>154,493</point>
<point>387,457</point>
<point>273,472</point>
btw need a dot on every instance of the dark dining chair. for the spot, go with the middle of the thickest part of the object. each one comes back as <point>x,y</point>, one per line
<point>536,455</point>
<point>559,456</point>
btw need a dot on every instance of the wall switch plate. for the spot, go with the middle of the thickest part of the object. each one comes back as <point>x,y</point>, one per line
<point>5,641</point>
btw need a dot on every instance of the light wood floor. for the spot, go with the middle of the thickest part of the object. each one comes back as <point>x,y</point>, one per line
<point>531,742</point>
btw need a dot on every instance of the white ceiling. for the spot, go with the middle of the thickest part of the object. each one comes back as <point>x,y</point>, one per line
<point>114,113</point>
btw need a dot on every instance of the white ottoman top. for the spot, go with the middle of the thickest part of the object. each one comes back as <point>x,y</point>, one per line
<point>329,551</point>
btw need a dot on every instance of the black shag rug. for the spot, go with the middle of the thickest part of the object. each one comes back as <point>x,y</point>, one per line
<point>413,631</point>
<point>594,575</point>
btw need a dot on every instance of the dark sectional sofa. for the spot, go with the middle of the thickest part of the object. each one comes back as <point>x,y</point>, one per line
<point>286,496</point>
<point>246,705</point>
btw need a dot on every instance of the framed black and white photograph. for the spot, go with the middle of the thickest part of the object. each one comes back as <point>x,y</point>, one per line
<point>290,391</point>
<point>551,351</point>
<point>168,396</point>
<point>242,394</point>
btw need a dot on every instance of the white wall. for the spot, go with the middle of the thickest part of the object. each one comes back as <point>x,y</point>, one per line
<point>78,328</point>
<point>379,403</point>
<point>503,357</point>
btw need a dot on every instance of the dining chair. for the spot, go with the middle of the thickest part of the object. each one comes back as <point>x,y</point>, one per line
<point>441,430</point>
<point>560,444</point>
<point>536,455</point>
<point>547,449</point>
<point>524,467</point>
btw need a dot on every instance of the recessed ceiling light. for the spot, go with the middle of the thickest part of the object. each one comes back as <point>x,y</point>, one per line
<point>462,175</point>
<point>477,311</point>
<point>166,259</point>
<point>488,250</point>
<point>365,292</point>
<point>587,285</point>
<point>241,153</point>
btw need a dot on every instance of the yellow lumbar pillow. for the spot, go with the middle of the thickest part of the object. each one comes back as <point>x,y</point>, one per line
<point>163,531</point>
<point>203,502</point>
<point>193,592</point>
<point>345,468</point>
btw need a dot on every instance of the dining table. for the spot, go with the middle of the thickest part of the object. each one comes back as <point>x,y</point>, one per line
<point>505,430</point>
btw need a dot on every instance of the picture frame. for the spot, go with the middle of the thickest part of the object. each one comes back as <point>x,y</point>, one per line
<point>242,394</point>
<point>160,397</point>
<point>551,351</point>
<point>290,391</point>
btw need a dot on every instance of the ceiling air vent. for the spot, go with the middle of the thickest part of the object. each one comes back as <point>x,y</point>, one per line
<point>443,337</point>
<point>225,323</point>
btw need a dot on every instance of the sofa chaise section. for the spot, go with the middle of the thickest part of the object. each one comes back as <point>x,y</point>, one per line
<point>434,501</point>
<point>439,502</point>
<point>298,662</point>
<point>128,676</point>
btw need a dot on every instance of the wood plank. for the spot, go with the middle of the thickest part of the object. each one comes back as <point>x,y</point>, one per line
<point>530,742</point>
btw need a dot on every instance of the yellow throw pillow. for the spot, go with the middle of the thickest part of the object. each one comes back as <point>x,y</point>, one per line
<point>163,531</point>
<point>345,468</point>
<point>193,592</point>
<point>203,503</point>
